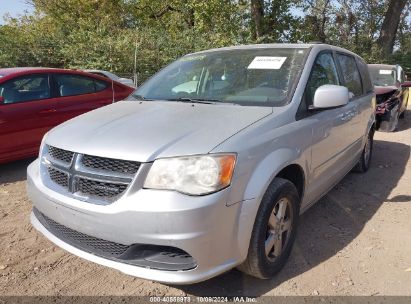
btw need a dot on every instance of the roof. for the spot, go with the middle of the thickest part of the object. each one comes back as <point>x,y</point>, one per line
<point>109,74</point>
<point>9,71</point>
<point>260,46</point>
<point>382,66</point>
<point>280,45</point>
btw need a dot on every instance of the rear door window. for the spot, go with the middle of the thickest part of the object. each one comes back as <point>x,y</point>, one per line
<point>350,74</point>
<point>365,76</point>
<point>26,88</point>
<point>100,85</point>
<point>72,85</point>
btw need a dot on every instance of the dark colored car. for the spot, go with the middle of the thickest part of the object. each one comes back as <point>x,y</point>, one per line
<point>392,94</point>
<point>34,100</point>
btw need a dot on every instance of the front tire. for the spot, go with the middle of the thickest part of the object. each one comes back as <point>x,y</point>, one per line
<point>274,230</point>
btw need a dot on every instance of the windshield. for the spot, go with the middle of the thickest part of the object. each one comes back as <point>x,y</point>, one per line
<point>261,77</point>
<point>382,77</point>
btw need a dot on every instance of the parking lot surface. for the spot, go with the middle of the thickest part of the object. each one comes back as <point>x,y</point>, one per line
<point>355,241</point>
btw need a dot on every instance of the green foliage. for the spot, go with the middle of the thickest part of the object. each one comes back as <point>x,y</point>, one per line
<point>105,34</point>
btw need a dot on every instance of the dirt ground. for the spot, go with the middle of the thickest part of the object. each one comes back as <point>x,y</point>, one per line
<point>355,241</point>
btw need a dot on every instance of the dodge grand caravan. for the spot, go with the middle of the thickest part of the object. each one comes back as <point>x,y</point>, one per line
<point>208,165</point>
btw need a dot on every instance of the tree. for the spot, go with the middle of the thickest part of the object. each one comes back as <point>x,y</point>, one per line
<point>257,17</point>
<point>316,19</point>
<point>272,21</point>
<point>104,33</point>
<point>390,26</point>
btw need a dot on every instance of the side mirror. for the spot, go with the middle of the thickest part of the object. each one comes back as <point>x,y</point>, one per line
<point>1,100</point>
<point>330,96</point>
<point>406,84</point>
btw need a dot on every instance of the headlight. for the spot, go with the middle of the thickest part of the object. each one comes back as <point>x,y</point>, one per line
<point>194,175</point>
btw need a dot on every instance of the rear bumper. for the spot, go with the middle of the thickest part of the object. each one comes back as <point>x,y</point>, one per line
<point>204,227</point>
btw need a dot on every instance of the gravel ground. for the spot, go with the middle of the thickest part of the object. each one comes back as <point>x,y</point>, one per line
<point>355,241</point>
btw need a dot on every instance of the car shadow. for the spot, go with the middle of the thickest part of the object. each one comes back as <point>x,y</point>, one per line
<point>326,228</point>
<point>14,171</point>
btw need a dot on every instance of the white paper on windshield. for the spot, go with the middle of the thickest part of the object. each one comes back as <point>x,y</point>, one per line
<point>385,72</point>
<point>267,63</point>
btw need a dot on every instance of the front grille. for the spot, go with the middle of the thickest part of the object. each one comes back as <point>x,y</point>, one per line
<point>78,239</point>
<point>110,164</point>
<point>95,188</point>
<point>143,255</point>
<point>92,179</point>
<point>60,178</point>
<point>60,154</point>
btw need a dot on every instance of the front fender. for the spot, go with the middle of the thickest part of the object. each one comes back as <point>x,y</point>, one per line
<point>260,180</point>
<point>268,168</point>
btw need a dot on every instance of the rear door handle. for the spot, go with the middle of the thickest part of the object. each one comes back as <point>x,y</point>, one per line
<point>48,111</point>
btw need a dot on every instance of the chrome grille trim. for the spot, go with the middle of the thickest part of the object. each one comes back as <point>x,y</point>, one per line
<point>92,185</point>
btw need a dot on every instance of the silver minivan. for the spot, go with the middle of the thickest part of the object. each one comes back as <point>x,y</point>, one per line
<point>208,165</point>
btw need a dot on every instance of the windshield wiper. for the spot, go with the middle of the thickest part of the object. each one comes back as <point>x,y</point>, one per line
<point>195,100</point>
<point>139,97</point>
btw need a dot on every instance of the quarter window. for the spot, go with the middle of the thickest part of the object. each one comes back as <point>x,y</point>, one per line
<point>26,88</point>
<point>351,75</point>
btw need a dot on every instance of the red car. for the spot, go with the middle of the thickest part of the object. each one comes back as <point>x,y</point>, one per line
<point>34,100</point>
<point>392,95</point>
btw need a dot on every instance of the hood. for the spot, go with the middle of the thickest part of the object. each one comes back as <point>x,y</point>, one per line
<point>144,131</point>
<point>383,90</point>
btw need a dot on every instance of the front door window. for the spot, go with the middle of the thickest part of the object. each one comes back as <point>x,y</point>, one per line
<point>26,88</point>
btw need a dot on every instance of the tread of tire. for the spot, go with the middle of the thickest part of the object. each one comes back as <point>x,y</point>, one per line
<point>251,265</point>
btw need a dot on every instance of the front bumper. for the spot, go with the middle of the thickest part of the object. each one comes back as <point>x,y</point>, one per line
<point>202,226</point>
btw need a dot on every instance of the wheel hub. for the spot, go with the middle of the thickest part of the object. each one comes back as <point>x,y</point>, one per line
<point>279,229</point>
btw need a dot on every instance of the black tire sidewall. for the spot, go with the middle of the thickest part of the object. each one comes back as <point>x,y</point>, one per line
<point>366,165</point>
<point>363,166</point>
<point>278,189</point>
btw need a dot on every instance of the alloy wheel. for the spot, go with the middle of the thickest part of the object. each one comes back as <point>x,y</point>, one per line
<point>278,229</point>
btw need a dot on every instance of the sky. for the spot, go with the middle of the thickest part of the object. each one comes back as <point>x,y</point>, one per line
<point>13,7</point>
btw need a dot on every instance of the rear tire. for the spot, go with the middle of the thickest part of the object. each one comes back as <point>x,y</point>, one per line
<point>274,230</point>
<point>364,162</point>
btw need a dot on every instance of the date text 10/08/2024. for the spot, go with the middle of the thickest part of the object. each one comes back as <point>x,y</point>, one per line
<point>188,299</point>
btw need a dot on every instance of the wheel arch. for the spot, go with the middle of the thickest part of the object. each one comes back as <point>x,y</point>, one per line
<point>285,163</point>
<point>295,174</point>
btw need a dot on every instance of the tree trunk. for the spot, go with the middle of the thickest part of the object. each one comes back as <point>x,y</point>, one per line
<point>390,26</point>
<point>257,16</point>
<point>321,33</point>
